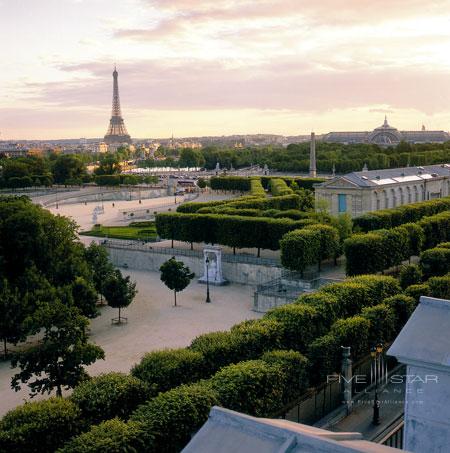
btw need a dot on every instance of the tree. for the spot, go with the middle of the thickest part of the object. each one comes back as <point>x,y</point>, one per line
<point>68,166</point>
<point>57,361</point>
<point>176,276</point>
<point>191,158</point>
<point>109,165</point>
<point>85,297</point>
<point>119,292</point>
<point>13,312</point>
<point>102,269</point>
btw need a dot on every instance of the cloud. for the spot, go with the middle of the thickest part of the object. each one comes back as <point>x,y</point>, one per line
<point>282,84</point>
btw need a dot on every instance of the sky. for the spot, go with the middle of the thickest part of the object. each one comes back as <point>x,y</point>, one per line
<point>221,67</point>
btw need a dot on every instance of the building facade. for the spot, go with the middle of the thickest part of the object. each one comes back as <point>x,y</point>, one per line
<point>387,135</point>
<point>364,191</point>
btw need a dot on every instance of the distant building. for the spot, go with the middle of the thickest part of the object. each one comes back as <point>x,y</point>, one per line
<point>387,135</point>
<point>365,191</point>
<point>101,148</point>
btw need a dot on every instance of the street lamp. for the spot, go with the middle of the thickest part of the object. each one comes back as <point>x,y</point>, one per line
<point>208,300</point>
<point>376,353</point>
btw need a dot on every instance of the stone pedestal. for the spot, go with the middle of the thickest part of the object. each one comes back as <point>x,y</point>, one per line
<point>212,272</point>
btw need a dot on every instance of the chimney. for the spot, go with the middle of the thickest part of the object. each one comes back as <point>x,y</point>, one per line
<point>312,156</point>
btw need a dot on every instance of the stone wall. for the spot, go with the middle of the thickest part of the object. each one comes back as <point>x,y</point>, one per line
<point>151,260</point>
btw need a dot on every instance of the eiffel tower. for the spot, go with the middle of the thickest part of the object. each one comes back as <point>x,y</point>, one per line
<point>117,132</point>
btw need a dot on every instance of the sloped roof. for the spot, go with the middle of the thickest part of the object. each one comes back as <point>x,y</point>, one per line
<point>425,337</point>
<point>374,178</point>
<point>229,431</point>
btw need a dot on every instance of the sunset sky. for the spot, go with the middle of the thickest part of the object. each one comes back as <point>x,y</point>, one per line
<point>218,67</point>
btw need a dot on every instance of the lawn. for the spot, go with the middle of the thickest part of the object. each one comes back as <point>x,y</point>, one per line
<point>139,231</point>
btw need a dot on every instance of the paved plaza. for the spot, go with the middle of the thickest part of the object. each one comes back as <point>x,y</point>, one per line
<point>153,323</point>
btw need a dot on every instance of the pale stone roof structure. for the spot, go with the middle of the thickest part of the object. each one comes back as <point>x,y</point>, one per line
<point>425,338</point>
<point>229,431</point>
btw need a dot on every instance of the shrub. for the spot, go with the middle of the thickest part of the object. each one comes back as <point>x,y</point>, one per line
<point>415,291</point>
<point>435,261</point>
<point>278,187</point>
<point>294,367</point>
<point>324,353</point>
<point>299,249</point>
<point>351,296</point>
<point>378,287</point>
<point>111,436</point>
<point>163,370</point>
<point>173,417</point>
<point>253,387</point>
<point>440,287</point>
<point>389,218</point>
<point>256,187</point>
<point>410,274</point>
<point>239,183</point>
<point>39,427</point>
<point>364,254</point>
<point>326,306</point>
<point>109,395</point>
<point>403,306</point>
<point>247,340</point>
<point>300,324</point>
<point>382,322</point>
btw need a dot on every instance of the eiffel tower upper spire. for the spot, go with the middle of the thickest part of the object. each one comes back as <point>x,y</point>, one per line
<point>117,132</point>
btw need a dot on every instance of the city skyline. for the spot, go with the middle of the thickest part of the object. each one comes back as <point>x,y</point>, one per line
<point>223,67</point>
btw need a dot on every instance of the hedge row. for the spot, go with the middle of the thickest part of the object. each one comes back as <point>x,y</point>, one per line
<point>302,183</point>
<point>256,188</point>
<point>232,231</point>
<point>378,250</point>
<point>165,423</point>
<point>389,218</point>
<point>239,183</point>
<point>278,187</point>
<point>245,202</point>
<point>312,244</point>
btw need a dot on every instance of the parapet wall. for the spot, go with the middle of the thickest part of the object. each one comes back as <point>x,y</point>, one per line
<point>150,260</point>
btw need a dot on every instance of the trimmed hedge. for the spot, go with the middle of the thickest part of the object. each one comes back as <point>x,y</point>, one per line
<point>379,250</point>
<point>415,291</point>
<point>169,420</point>
<point>435,261</point>
<point>402,306</point>
<point>256,188</point>
<point>324,353</point>
<point>440,287</point>
<point>109,395</point>
<point>239,183</point>
<point>233,231</point>
<point>168,368</point>
<point>244,341</point>
<point>39,427</point>
<point>389,218</point>
<point>278,187</point>
<point>410,274</point>
<point>111,436</point>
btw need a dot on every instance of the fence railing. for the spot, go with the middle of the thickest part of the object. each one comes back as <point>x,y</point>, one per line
<point>393,435</point>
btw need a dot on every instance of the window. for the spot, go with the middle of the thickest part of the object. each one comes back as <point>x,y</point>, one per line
<point>342,202</point>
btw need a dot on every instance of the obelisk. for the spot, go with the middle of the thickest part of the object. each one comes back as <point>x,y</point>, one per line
<point>312,156</point>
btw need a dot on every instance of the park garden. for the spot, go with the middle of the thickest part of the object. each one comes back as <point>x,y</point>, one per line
<point>259,367</point>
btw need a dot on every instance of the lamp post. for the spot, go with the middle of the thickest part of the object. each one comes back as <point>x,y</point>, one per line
<point>376,352</point>
<point>208,300</point>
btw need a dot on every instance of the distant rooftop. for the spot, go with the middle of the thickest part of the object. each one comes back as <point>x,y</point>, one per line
<point>373,178</point>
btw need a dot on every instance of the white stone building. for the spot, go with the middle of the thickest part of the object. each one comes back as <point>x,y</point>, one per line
<point>365,191</point>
